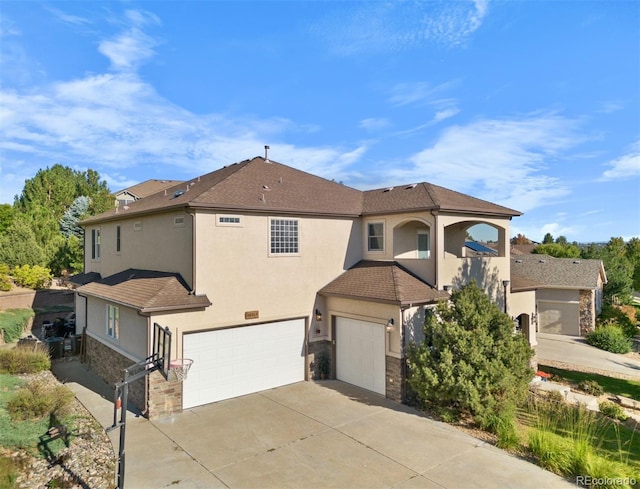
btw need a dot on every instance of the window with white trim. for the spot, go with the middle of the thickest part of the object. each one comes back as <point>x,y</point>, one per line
<point>283,236</point>
<point>424,251</point>
<point>233,221</point>
<point>375,236</point>
<point>113,321</point>
<point>95,244</point>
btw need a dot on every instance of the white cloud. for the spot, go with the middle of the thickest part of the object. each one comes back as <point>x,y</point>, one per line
<point>133,46</point>
<point>627,166</point>
<point>394,26</point>
<point>67,18</point>
<point>374,123</point>
<point>500,160</point>
<point>445,114</point>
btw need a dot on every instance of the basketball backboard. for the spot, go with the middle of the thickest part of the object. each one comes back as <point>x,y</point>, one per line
<point>161,354</point>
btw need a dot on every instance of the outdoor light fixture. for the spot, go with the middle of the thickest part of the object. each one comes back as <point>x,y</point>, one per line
<point>390,324</point>
<point>318,315</point>
<point>505,284</point>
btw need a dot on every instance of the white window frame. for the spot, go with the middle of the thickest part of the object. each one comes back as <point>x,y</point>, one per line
<point>113,322</point>
<point>424,232</point>
<point>280,242</point>
<point>227,220</point>
<point>370,236</point>
<point>95,244</point>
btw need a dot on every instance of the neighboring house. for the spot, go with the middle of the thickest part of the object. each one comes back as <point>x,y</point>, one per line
<point>140,191</point>
<point>568,291</point>
<point>257,268</point>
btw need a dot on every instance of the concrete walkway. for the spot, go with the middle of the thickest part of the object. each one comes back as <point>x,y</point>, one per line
<point>305,435</point>
<point>572,351</point>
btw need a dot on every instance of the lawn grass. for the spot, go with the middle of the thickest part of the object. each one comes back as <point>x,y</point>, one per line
<point>21,434</point>
<point>618,387</point>
<point>13,321</point>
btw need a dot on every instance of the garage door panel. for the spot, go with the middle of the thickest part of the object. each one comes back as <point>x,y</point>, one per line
<point>559,317</point>
<point>239,361</point>
<point>360,354</point>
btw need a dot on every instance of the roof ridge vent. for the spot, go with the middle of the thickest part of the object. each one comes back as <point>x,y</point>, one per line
<point>576,262</point>
<point>388,189</point>
<point>410,186</point>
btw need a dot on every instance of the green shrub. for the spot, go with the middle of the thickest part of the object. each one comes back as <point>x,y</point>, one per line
<point>5,280</point>
<point>13,322</point>
<point>32,277</point>
<point>24,360</point>
<point>615,315</point>
<point>611,338</point>
<point>470,360</point>
<point>612,410</point>
<point>591,387</point>
<point>38,399</point>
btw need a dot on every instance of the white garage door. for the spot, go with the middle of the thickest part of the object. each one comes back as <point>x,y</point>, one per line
<point>237,361</point>
<point>559,317</point>
<point>360,354</point>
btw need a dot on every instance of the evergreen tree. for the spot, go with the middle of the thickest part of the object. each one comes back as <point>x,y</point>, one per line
<point>18,246</point>
<point>547,239</point>
<point>470,360</point>
<point>69,222</point>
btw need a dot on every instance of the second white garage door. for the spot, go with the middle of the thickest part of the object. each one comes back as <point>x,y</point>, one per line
<point>237,361</point>
<point>360,354</point>
<point>559,317</point>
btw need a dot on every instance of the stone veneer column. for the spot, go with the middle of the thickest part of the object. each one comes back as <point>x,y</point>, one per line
<point>314,350</point>
<point>165,396</point>
<point>110,366</point>
<point>393,374</point>
<point>587,311</point>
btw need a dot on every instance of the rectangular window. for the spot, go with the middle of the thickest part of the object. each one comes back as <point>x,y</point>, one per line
<point>113,321</point>
<point>233,221</point>
<point>284,236</point>
<point>117,239</point>
<point>375,236</point>
<point>95,244</point>
<point>423,245</point>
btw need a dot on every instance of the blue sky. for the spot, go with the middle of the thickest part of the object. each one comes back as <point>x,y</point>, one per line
<point>532,105</point>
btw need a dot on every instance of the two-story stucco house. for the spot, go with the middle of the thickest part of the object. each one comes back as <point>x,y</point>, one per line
<point>257,268</point>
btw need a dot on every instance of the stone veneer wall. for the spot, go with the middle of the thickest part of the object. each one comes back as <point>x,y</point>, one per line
<point>314,349</point>
<point>587,311</point>
<point>110,366</point>
<point>165,396</point>
<point>393,374</point>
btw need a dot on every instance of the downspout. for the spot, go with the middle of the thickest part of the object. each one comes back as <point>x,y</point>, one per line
<point>83,350</point>
<point>403,359</point>
<point>437,251</point>
<point>193,250</point>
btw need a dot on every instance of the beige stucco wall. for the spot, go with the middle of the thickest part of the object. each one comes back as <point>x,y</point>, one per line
<point>132,341</point>
<point>524,303</point>
<point>158,245</point>
<point>373,312</point>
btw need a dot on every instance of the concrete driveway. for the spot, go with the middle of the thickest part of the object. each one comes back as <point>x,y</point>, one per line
<point>573,352</point>
<point>305,435</point>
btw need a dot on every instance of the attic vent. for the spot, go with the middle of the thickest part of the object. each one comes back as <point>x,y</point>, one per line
<point>576,262</point>
<point>266,187</point>
<point>518,261</point>
<point>542,261</point>
<point>388,189</point>
<point>178,193</point>
<point>413,185</point>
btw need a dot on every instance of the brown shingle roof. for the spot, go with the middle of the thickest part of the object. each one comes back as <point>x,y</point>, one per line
<point>257,185</point>
<point>146,290</point>
<point>148,187</point>
<point>252,185</point>
<point>550,272</point>
<point>427,196</point>
<point>380,281</point>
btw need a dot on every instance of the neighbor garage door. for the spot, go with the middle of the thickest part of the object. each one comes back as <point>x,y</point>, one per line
<point>360,354</point>
<point>237,361</point>
<point>559,317</point>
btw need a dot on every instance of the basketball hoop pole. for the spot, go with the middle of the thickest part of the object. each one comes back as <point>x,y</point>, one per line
<point>121,401</point>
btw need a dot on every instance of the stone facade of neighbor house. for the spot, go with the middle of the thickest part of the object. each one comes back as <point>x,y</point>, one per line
<point>587,312</point>
<point>257,268</point>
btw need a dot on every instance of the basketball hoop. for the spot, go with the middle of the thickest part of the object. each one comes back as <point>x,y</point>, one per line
<point>179,368</point>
